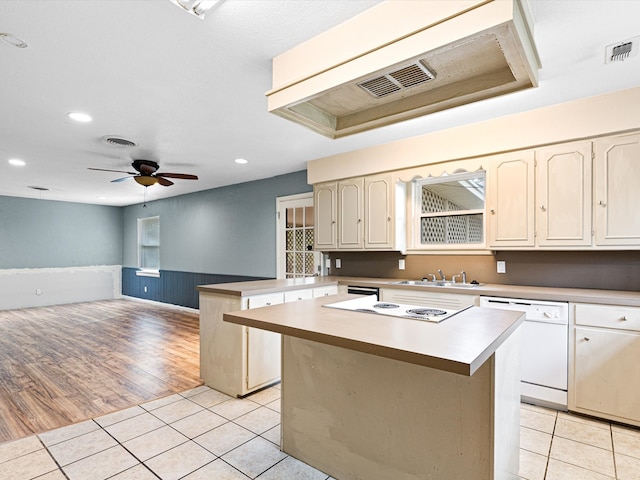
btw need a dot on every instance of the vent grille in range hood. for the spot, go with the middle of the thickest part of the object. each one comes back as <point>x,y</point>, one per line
<point>438,55</point>
<point>406,77</point>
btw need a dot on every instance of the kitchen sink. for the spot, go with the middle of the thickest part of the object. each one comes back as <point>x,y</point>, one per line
<point>436,283</point>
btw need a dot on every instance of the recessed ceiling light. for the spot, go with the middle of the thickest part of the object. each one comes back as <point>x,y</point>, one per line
<point>79,117</point>
<point>17,162</point>
<point>241,161</point>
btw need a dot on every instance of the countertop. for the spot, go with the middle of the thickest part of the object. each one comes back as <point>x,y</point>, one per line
<point>460,344</point>
<point>582,295</point>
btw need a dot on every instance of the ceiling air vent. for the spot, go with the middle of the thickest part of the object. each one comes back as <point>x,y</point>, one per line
<point>392,82</point>
<point>118,141</point>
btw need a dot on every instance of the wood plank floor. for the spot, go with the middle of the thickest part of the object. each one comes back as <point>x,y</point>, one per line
<point>67,363</point>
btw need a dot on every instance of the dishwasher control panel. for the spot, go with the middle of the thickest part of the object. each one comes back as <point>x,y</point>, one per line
<point>535,310</point>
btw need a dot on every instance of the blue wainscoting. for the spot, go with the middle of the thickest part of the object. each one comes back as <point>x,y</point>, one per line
<point>176,288</point>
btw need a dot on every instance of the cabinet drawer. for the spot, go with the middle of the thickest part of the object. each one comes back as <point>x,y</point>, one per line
<point>296,295</point>
<point>607,316</point>
<point>265,300</point>
<point>325,291</point>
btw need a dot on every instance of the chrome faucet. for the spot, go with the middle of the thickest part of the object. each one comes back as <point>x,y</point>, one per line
<point>433,277</point>
<point>462,274</point>
<point>442,277</point>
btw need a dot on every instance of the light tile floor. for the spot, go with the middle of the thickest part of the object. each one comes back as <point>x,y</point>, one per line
<point>203,434</point>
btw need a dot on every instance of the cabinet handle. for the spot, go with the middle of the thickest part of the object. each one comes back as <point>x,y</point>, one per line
<point>359,220</point>
<point>388,219</point>
<point>268,303</point>
<point>333,222</point>
<point>624,318</point>
<point>542,208</point>
<point>493,212</point>
<point>602,203</point>
<point>586,339</point>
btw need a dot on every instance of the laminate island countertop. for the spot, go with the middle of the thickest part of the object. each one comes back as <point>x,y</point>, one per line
<point>372,396</point>
<point>460,344</point>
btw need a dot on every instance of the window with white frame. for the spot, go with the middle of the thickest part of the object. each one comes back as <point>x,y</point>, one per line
<point>149,246</point>
<point>449,210</point>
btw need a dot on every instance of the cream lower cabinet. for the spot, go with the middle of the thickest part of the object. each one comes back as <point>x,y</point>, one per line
<point>235,359</point>
<point>454,301</point>
<point>604,373</point>
<point>263,347</point>
<point>617,192</point>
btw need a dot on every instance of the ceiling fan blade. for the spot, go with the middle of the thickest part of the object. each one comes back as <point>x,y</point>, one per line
<point>183,176</point>
<point>164,182</point>
<point>121,179</point>
<point>107,170</point>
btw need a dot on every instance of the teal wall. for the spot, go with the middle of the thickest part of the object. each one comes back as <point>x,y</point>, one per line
<point>47,234</point>
<point>224,234</point>
<point>228,230</point>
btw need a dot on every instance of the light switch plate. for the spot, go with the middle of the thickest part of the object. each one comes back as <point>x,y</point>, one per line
<point>502,266</point>
<point>338,263</point>
<point>401,264</point>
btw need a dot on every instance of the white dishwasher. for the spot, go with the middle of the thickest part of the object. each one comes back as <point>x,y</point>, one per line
<point>545,343</point>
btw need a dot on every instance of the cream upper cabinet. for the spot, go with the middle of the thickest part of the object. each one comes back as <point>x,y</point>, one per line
<point>326,210</point>
<point>563,195</point>
<point>510,197</point>
<point>351,213</point>
<point>379,206</point>
<point>617,190</point>
<point>364,213</point>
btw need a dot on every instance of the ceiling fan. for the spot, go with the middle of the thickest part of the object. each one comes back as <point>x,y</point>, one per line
<point>147,174</point>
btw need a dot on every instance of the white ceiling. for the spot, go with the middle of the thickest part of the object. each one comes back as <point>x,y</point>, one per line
<point>190,92</point>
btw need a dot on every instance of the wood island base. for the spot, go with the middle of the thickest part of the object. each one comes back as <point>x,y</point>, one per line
<point>359,416</point>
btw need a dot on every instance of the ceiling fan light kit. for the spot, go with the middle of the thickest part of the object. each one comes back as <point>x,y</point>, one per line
<point>145,181</point>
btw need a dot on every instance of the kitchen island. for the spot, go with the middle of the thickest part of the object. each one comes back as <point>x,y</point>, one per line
<point>367,396</point>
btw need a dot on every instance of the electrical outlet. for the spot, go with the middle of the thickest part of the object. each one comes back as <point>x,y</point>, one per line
<point>502,266</point>
<point>401,264</point>
<point>145,289</point>
<point>38,291</point>
<point>338,263</point>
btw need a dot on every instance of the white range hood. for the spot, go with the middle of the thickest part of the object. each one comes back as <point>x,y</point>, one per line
<point>402,59</point>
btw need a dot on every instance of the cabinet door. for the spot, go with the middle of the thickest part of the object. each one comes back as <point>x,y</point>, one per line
<point>607,376</point>
<point>350,213</point>
<point>263,347</point>
<point>326,209</point>
<point>379,207</point>
<point>617,195</point>
<point>563,195</point>
<point>510,186</point>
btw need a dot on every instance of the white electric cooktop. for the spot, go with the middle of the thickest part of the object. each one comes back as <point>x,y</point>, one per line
<point>370,304</point>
